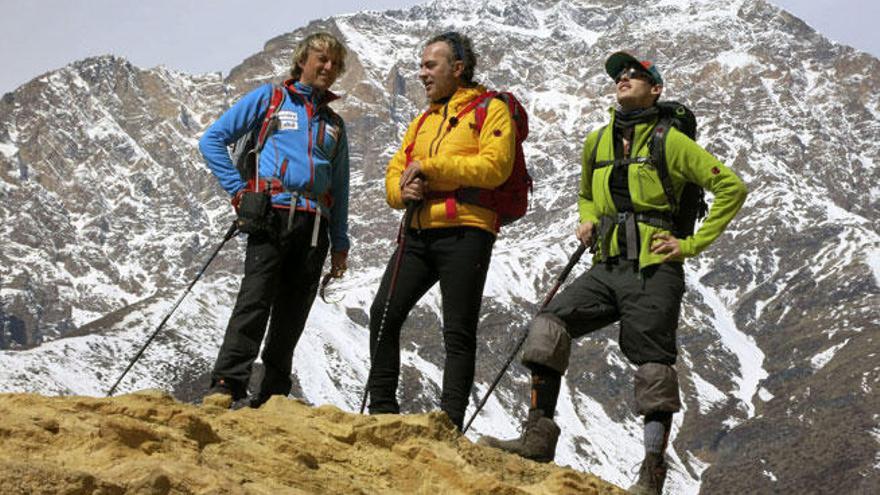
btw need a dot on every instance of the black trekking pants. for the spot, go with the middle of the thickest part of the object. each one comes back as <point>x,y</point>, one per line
<point>459,258</point>
<point>647,304</point>
<point>281,274</point>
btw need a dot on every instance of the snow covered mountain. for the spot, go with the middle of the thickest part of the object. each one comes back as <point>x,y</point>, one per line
<point>108,211</point>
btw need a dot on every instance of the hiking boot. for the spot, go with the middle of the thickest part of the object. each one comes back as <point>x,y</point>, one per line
<point>225,389</point>
<point>537,442</point>
<point>652,475</point>
<point>220,387</point>
<point>258,400</point>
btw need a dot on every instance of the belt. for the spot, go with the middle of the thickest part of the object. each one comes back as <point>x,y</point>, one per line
<point>294,197</point>
<point>629,220</point>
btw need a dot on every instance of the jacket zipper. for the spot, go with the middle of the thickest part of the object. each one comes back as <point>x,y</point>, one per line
<point>309,113</point>
<point>431,150</point>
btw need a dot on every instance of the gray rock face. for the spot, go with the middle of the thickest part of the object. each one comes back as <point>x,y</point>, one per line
<point>107,211</point>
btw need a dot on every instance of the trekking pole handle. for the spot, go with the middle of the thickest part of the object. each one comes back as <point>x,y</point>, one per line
<point>575,258</point>
<point>232,232</point>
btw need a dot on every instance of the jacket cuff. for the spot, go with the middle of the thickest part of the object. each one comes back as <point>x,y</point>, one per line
<point>428,166</point>
<point>339,243</point>
<point>395,200</point>
<point>688,250</point>
<point>586,217</point>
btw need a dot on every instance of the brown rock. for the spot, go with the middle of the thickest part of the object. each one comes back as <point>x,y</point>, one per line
<point>147,443</point>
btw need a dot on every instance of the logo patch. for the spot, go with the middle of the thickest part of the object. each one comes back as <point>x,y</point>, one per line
<point>288,120</point>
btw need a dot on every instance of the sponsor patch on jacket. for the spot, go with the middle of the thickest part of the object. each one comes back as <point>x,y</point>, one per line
<point>288,120</point>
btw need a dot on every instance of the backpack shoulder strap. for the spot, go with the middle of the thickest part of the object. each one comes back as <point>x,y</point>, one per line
<point>592,160</point>
<point>412,145</point>
<point>479,106</point>
<point>269,122</point>
<point>658,157</point>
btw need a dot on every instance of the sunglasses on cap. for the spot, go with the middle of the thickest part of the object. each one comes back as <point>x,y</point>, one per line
<point>634,73</point>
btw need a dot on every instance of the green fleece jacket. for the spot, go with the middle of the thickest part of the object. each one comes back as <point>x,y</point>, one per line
<point>686,161</point>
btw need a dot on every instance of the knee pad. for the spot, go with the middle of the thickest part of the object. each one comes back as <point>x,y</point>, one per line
<point>548,343</point>
<point>656,389</point>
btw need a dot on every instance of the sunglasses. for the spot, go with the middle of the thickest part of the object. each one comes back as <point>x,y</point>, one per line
<point>634,73</point>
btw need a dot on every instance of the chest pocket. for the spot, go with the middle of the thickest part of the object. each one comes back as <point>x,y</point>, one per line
<point>650,187</point>
<point>458,137</point>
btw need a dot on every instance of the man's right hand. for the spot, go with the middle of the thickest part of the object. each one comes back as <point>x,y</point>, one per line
<point>414,190</point>
<point>584,233</point>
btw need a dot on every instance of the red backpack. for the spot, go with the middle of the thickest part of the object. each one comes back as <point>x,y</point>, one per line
<point>510,200</point>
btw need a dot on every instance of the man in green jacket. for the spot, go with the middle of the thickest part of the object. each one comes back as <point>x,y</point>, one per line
<point>637,276</point>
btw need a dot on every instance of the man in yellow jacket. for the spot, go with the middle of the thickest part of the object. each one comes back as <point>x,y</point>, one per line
<point>448,240</point>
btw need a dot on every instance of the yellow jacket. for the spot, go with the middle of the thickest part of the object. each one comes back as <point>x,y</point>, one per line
<point>456,156</point>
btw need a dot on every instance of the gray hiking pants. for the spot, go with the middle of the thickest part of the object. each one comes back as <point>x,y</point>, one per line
<point>646,303</point>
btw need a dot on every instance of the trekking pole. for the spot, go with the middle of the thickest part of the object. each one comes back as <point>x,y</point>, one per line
<point>404,224</point>
<point>233,230</point>
<point>559,280</point>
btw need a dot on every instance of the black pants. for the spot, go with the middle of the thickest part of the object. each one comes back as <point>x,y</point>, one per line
<point>459,258</point>
<point>647,303</point>
<point>281,274</point>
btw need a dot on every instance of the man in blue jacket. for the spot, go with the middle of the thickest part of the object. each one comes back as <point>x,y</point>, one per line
<point>304,168</point>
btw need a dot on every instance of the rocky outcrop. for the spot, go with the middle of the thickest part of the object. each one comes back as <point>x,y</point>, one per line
<point>148,443</point>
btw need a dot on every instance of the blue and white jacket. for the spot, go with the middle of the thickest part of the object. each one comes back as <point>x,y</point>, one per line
<point>319,173</point>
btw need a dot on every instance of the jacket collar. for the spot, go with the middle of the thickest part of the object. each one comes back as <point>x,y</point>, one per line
<point>309,93</point>
<point>613,111</point>
<point>460,98</point>
<point>641,132</point>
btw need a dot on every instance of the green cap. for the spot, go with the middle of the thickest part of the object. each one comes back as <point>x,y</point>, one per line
<point>620,60</point>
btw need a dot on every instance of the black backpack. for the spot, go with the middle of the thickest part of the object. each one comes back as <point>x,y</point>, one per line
<point>692,204</point>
